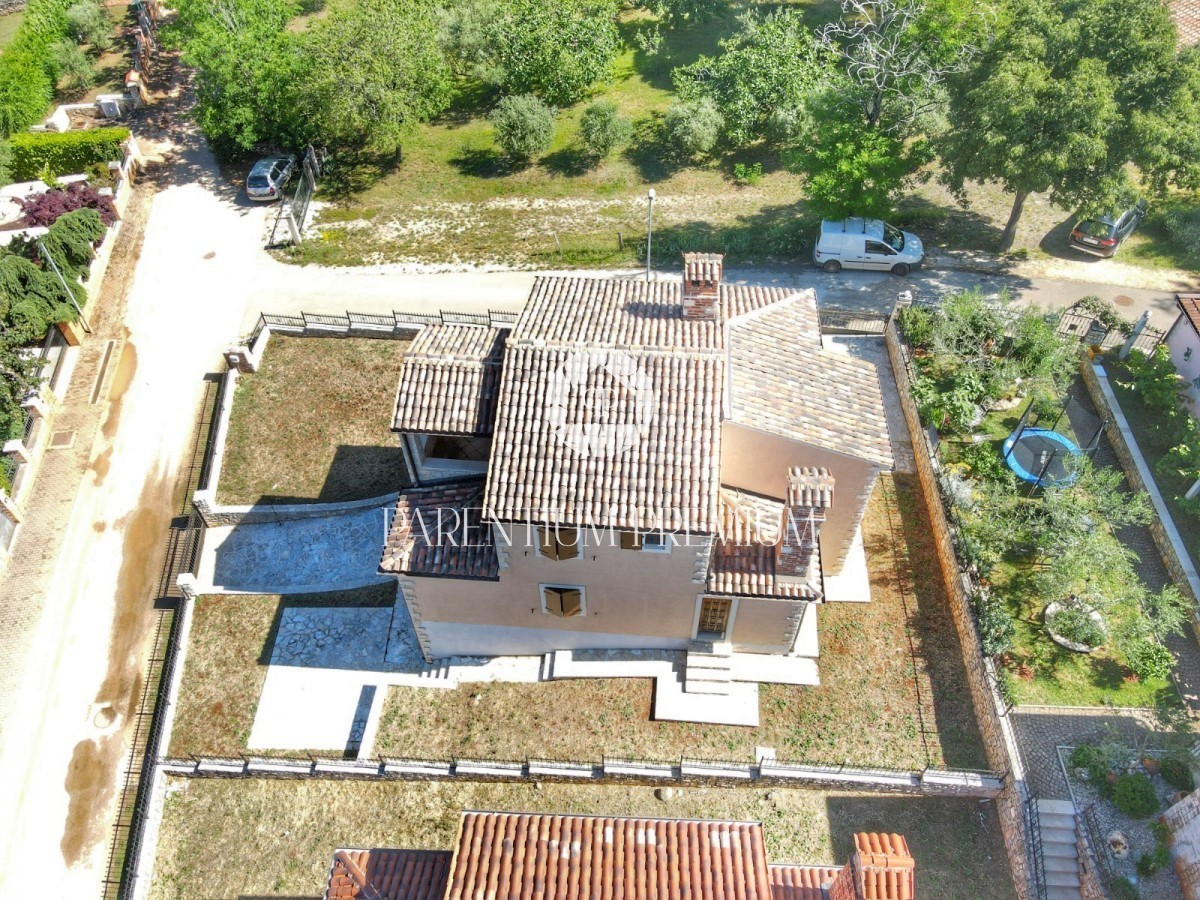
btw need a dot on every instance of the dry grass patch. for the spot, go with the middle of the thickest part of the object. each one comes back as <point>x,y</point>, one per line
<point>260,837</point>
<point>228,652</point>
<point>314,423</point>
<point>893,690</point>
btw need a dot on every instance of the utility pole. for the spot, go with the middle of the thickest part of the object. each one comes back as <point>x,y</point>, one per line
<point>649,229</point>
<point>66,287</point>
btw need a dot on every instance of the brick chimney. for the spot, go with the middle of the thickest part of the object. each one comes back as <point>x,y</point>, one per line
<point>809,495</point>
<point>702,285</point>
<point>880,869</point>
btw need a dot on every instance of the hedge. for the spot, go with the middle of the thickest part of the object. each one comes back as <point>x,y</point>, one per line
<point>26,68</point>
<point>66,153</point>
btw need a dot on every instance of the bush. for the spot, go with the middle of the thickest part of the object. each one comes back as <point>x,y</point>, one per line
<point>88,23</point>
<point>43,210</point>
<point>1148,658</point>
<point>986,463</point>
<point>603,129</point>
<point>1089,758</point>
<point>1182,225</point>
<point>524,126</point>
<point>68,153</point>
<point>1177,773</point>
<point>1133,794</point>
<point>1075,623</point>
<point>71,63</point>
<point>692,129</point>
<point>916,324</point>
<point>1122,888</point>
<point>25,87</point>
<point>996,626</point>
<point>1150,864</point>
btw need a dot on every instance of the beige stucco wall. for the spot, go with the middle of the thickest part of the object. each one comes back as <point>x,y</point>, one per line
<point>758,462</point>
<point>761,625</point>
<point>1181,338</point>
<point>632,599</point>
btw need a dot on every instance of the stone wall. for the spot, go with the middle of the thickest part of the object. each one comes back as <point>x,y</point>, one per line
<point>1137,473</point>
<point>8,6</point>
<point>998,738</point>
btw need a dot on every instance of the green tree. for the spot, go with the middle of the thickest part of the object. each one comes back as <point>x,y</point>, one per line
<point>556,49</point>
<point>374,73</point>
<point>692,128</point>
<point>603,129</point>
<point>856,171</point>
<point>524,126</point>
<point>250,72</point>
<point>88,23</point>
<point>765,75</point>
<point>73,65</point>
<point>677,12</point>
<point>1062,102</point>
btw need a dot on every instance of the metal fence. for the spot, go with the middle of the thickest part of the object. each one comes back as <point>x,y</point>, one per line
<point>841,320</point>
<point>292,214</point>
<point>394,324</point>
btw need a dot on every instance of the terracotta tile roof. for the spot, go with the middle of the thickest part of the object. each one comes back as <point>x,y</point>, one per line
<point>884,867</point>
<point>1189,305</point>
<point>665,384</point>
<point>1186,14</point>
<point>448,380</point>
<point>800,882</point>
<point>510,855</point>
<point>802,392</point>
<point>415,546</point>
<point>388,874</point>
<point>743,561</point>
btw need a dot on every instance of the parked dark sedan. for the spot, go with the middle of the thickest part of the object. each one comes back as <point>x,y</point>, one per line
<point>1105,235</point>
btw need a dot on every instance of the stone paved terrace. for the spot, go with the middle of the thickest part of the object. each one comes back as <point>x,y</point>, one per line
<point>295,556</point>
<point>1041,729</point>
<point>1084,418</point>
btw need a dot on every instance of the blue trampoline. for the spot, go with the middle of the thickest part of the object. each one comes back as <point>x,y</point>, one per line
<point>1038,455</point>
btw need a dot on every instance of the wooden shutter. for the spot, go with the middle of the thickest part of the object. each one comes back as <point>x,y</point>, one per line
<point>568,543</point>
<point>630,541</point>
<point>572,601</point>
<point>554,600</point>
<point>547,544</point>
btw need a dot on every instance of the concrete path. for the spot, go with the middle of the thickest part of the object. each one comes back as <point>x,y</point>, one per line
<point>296,556</point>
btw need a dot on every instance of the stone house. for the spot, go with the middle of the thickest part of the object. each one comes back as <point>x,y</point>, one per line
<point>506,855</point>
<point>634,465</point>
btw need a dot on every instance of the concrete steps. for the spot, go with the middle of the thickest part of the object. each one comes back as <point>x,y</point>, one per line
<point>1055,820</point>
<point>709,668</point>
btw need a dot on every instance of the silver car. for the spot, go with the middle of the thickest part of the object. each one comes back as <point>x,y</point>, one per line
<point>269,177</point>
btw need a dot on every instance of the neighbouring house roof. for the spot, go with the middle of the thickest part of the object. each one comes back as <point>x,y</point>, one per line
<point>390,874</point>
<point>1186,14</point>
<point>574,857</point>
<point>800,882</point>
<point>504,856</point>
<point>438,531</point>
<point>577,332</point>
<point>448,380</point>
<point>1189,305</point>
<point>743,561</point>
<point>793,388</point>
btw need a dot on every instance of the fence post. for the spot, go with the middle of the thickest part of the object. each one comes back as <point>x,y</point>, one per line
<point>1134,335</point>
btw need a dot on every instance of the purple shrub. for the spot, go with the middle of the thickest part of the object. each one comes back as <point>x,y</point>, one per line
<point>42,210</point>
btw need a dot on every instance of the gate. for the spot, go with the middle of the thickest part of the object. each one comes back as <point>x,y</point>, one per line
<point>292,214</point>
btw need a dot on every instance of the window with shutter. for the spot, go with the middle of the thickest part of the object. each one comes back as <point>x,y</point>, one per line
<point>558,543</point>
<point>630,541</point>
<point>562,600</point>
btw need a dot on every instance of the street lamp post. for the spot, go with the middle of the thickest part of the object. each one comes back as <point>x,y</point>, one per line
<point>649,229</point>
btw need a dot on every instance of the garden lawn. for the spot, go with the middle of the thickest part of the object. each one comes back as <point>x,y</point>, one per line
<point>313,424</point>
<point>1171,485</point>
<point>1045,673</point>
<point>9,23</point>
<point>233,838</point>
<point>228,651</point>
<point>892,694</point>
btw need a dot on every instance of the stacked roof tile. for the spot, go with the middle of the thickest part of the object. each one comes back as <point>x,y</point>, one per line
<point>1186,14</point>
<point>439,531</point>
<point>800,882</point>
<point>448,380</point>
<point>743,562</point>
<point>884,868</point>
<point>388,874</point>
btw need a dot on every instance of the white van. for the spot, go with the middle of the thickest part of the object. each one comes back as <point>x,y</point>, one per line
<point>867,244</point>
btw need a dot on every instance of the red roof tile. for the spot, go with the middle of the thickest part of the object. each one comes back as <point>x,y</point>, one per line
<point>448,380</point>
<point>800,882</point>
<point>885,867</point>
<point>509,855</point>
<point>439,531</point>
<point>388,875</point>
<point>1186,14</point>
<point>1189,305</point>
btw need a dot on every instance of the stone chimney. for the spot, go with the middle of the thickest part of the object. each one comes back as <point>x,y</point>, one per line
<point>702,285</point>
<point>809,495</point>
<point>880,869</point>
